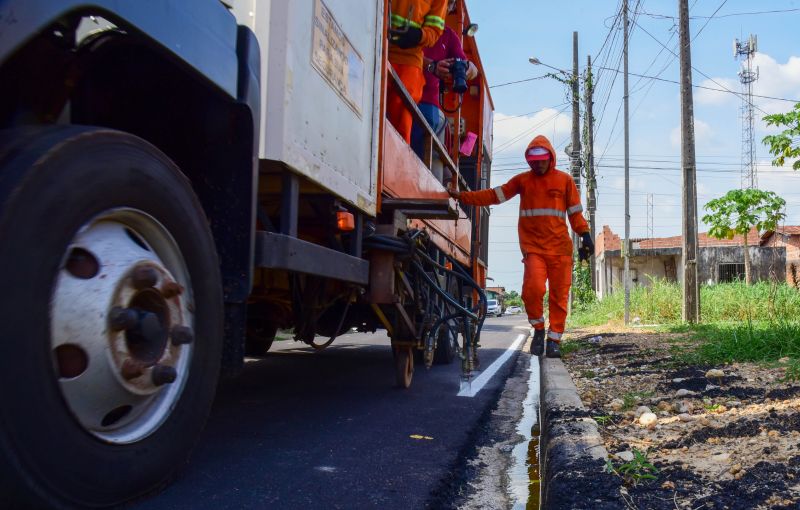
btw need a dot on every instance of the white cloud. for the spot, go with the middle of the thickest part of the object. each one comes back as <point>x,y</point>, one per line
<point>513,134</point>
<point>704,96</point>
<point>775,80</point>
<point>703,135</point>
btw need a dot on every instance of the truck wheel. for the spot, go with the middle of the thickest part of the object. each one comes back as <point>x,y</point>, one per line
<point>403,365</point>
<point>111,318</point>
<point>446,346</point>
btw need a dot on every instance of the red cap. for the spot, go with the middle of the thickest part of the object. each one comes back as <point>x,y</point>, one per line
<point>537,154</point>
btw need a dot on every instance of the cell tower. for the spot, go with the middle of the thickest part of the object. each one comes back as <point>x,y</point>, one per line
<point>745,51</point>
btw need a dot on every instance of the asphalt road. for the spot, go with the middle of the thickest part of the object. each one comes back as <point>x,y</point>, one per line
<point>304,429</point>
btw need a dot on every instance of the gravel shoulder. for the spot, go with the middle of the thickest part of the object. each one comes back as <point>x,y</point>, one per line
<point>709,436</point>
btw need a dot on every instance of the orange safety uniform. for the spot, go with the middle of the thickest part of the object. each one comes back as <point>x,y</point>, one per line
<point>428,16</point>
<point>545,201</point>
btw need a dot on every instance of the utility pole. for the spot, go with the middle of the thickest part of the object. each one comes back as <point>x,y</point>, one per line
<point>591,183</point>
<point>691,297</point>
<point>575,148</point>
<point>575,157</point>
<point>626,244</point>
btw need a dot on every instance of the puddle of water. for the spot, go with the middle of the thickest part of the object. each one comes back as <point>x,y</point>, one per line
<point>524,474</point>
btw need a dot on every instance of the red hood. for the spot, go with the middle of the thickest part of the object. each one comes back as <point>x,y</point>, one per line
<point>543,142</point>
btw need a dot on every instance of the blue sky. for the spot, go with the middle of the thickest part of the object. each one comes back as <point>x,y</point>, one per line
<point>513,30</point>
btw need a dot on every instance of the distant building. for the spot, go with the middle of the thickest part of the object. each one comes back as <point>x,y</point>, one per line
<point>498,293</point>
<point>789,238</point>
<point>719,260</point>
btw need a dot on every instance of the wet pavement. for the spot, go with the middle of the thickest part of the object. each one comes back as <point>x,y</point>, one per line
<point>330,430</point>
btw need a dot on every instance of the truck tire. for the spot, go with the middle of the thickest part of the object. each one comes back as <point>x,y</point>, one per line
<point>110,320</point>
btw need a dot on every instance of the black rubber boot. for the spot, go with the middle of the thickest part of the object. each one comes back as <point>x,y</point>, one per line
<point>553,350</point>
<point>537,343</point>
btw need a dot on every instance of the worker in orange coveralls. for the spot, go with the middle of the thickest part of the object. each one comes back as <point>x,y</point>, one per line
<point>548,196</point>
<point>413,25</point>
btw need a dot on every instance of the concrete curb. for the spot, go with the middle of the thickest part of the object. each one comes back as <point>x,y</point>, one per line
<point>572,450</point>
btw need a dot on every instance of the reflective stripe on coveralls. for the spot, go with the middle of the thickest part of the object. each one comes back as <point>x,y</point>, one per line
<point>554,336</point>
<point>399,21</point>
<point>542,212</point>
<point>536,322</point>
<point>574,209</point>
<point>500,196</point>
<point>434,21</point>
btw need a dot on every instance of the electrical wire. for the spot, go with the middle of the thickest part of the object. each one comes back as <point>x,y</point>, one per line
<point>709,88</point>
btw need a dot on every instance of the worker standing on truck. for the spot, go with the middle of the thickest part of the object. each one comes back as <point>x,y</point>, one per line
<point>547,197</point>
<point>437,60</point>
<point>413,25</point>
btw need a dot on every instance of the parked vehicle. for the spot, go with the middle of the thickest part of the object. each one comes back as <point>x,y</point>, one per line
<point>512,310</point>
<point>179,179</point>
<point>494,307</point>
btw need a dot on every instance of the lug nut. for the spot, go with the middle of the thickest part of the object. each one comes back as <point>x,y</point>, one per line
<point>144,277</point>
<point>163,374</point>
<point>122,318</point>
<point>171,289</point>
<point>182,335</point>
<point>131,369</point>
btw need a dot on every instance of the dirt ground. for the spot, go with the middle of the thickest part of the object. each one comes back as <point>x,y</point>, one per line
<point>719,436</point>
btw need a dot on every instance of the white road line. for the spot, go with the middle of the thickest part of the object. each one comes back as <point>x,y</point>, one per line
<point>479,382</point>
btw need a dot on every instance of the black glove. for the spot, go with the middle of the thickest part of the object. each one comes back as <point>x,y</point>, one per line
<point>409,37</point>
<point>587,247</point>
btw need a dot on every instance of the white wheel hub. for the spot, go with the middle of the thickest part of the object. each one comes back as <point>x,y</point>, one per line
<point>121,318</point>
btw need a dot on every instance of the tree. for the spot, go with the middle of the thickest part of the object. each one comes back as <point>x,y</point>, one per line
<point>513,298</point>
<point>738,211</point>
<point>781,145</point>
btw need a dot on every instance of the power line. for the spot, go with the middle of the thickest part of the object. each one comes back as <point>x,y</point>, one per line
<point>725,89</point>
<point>531,113</point>
<point>518,81</point>
<point>708,88</point>
<point>730,15</point>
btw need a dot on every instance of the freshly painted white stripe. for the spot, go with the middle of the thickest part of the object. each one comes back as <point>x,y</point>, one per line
<point>500,195</point>
<point>479,382</point>
<point>574,209</point>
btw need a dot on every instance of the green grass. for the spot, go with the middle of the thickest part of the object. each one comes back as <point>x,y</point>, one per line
<point>635,471</point>
<point>570,346</point>
<point>755,323</point>
<point>660,303</point>
<point>632,399</point>
<point>757,341</point>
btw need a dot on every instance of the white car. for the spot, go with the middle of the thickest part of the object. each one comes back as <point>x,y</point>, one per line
<point>493,308</point>
<point>511,310</point>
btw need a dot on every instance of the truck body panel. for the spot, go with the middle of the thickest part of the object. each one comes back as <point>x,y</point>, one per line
<point>320,113</point>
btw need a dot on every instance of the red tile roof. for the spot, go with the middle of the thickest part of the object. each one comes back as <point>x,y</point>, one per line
<point>704,240</point>
<point>792,230</point>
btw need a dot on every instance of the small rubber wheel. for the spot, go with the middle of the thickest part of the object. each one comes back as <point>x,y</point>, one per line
<point>446,347</point>
<point>404,366</point>
<point>112,323</point>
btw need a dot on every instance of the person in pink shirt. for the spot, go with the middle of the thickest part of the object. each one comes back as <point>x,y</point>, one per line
<point>436,66</point>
